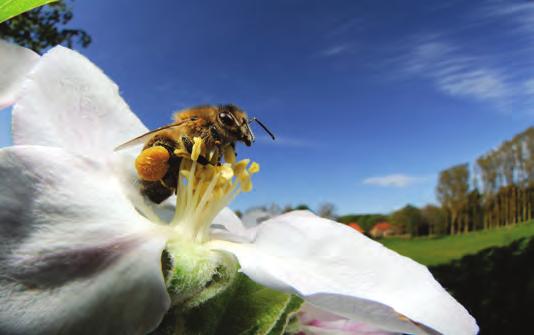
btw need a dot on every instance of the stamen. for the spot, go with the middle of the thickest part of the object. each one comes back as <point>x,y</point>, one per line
<point>254,168</point>
<point>204,190</point>
<point>197,146</point>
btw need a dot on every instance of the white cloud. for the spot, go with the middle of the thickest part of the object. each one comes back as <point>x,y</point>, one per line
<point>519,14</point>
<point>454,72</point>
<point>529,87</point>
<point>460,62</point>
<point>394,180</point>
<point>482,84</point>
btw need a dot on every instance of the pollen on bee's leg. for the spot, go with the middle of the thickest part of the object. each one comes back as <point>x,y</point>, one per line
<point>152,163</point>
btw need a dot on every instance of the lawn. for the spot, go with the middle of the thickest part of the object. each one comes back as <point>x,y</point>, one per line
<point>439,250</point>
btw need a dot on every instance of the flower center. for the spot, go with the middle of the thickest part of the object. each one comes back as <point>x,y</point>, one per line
<point>204,190</point>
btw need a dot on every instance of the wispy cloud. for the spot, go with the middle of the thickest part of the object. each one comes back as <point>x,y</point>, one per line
<point>461,62</point>
<point>335,50</point>
<point>394,180</point>
<point>520,14</point>
<point>499,80</point>
<point>529,87</point>
<point>454,72</point>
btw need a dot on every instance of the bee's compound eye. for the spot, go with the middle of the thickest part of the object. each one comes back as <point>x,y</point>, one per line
<point>226,118</point>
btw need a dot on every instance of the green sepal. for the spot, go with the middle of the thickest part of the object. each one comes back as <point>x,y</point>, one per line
<point>258,310</point>
<point>210,297</point>
<point>200,282</point>
<point>203,319</point>
<point>197,274</point>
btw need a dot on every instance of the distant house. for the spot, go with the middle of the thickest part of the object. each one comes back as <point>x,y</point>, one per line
<point>382,229</point>
<point>356,226</point>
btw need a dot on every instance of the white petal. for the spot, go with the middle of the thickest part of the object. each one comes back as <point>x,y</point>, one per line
<point>68,102</point>
<point>15,63</point>
<point>228,226</point>
<point>338,269</point>
<point>75,257</point>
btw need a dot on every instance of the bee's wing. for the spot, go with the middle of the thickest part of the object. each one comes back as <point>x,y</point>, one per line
<point>143,138</point>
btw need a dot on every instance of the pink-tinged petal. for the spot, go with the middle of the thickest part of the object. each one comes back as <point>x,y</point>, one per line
<point>15,63</point>
<point>68,102</point>
<point>338,269</point>
<point>75,256</point>
<point>315,321</point>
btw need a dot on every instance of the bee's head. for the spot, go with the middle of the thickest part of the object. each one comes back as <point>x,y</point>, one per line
<point>235,124</point>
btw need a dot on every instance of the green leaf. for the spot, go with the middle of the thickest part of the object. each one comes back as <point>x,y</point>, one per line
<point>257,310</point>
<point>11,8</point>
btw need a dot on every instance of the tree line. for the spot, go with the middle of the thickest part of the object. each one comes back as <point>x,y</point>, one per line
<point>497,190</point>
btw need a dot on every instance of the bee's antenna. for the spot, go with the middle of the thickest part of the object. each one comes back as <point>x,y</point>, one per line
<point>255,119</point>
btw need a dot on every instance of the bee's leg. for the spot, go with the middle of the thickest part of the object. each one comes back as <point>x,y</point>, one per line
<point>233,147</point>
<point>189,147</point>
<point>215,134</point>
<point>156,191</point>
<point>159,190</point>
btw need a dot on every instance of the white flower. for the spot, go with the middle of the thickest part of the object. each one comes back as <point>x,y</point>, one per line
<point>81,250</point>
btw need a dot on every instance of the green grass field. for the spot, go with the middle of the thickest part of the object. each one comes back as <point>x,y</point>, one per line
<point>439,250</point>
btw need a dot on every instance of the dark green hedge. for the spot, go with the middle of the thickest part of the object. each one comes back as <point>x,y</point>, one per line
<point>496,285</point>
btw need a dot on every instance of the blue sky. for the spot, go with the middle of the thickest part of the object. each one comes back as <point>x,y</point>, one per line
<point>369,99</point>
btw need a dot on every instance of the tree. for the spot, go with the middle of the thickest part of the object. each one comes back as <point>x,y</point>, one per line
<point>410,220</point>
<point>301,207</point>
<point>327,210</point>
<point>44,27</point>
<point>474,211</point>
<point>452,192</point>
<point>436,218</point>
<point>507,176</point>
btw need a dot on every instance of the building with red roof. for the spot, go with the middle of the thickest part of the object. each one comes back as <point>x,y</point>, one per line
<point>382,229</point>
<point>356,226</point>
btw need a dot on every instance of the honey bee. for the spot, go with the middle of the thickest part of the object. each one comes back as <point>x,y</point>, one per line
<point>158,164</point>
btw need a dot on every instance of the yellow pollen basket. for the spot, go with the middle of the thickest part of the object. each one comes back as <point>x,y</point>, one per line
<point>204,190</point>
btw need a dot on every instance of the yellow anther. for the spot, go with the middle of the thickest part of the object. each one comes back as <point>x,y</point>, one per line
<point>244,175</point>
<point>226,171</point>
<point>197,146</point>
<point>254,168</point>
<point>229,154</point>
<point>246,185</point>
<point>240,166</point>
